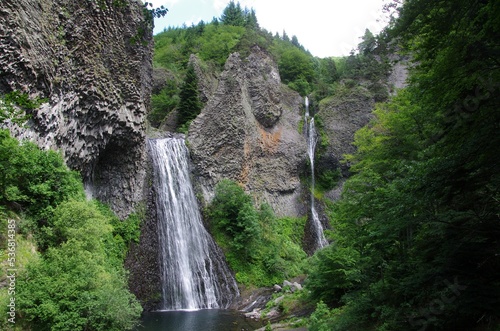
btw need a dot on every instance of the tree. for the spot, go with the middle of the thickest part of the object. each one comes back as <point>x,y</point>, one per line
<point>296,70</point>
<point>163,102</point>
<point>34,180</point>
<point>285,36</point>
<point>368,44</point>
<point>79,283</point>
<point>251,19</point>
<point>190,104</point>
<point>233,15</point>
<point>422,206</point>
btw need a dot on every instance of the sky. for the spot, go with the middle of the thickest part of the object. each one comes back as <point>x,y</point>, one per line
<point>324,27</point>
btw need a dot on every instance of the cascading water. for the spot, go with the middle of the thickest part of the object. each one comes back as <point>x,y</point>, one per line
<point>312,139</point>
<point>194,273</point>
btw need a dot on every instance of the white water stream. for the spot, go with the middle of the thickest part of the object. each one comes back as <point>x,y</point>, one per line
<point>193,271</point>
<point>312,139</point>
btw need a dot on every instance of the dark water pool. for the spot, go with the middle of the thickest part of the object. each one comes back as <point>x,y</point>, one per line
<point>198,320</point>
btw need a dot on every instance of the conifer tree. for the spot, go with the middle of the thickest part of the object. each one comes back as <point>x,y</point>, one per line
<point>251,19</point>
<point>233,15</point>
<point>190,104</point>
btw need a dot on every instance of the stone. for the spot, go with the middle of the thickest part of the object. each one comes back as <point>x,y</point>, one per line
<point>279,299</point>
<point>248,132</point>
<point>254,314</point>
<point>277,288</point>
<point>297,286</point>
<point>81,57</point>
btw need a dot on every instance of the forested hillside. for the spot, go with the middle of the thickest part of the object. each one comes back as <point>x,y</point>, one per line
<point>412,206</point>
<point>414,239</point>
<point>237,30</point>
<point>416,232</point>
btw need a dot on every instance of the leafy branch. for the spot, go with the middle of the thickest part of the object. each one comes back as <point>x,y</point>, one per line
<point>14,106</point>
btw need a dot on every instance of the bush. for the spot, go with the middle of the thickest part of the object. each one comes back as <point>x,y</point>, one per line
<point>34,180</point>
<point>335,270</point>
<point>163,103</point>
<point>232,213</point>
<point>327,179</point>
<point>261,249</point>
<point>80,283</point>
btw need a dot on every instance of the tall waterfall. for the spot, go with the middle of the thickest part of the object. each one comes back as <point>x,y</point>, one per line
<point>194,273</point>
<point>312,139</point>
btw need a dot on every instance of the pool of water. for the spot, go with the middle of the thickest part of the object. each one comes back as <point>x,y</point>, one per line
<point>203,320</point>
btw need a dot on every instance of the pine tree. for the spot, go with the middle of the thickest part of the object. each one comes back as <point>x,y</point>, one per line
<point>251,19</point>
<point>233,15</point>
<point>190,104</point>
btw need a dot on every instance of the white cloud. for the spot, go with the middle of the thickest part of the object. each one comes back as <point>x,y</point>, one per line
<point>219,5</point>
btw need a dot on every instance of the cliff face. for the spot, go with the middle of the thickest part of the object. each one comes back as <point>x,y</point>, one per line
<point>249,132</point>
<point>92,60</point>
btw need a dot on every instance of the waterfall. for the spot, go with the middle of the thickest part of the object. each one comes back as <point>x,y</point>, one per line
<point>194,273</point>
<point>312,139</point>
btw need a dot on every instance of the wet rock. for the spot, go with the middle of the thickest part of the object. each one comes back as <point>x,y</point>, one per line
<point>254,314</point>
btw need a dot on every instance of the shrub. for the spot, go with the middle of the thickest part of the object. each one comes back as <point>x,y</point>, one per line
<point>261,249</point>
<point>79,283</point>
<point>34,180</point>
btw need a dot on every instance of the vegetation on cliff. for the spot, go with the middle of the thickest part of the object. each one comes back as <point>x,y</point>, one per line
<point>415,234</point>
<point>238,31</point>
<point>261,249</point>
<point>68,252</point>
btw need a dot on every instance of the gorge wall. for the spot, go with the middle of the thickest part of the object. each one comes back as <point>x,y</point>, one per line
<point>249,132</point>
<point>92,61</point>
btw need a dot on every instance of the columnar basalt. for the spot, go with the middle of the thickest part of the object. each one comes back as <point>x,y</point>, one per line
<point>92,61</point>
<point>249,132</point>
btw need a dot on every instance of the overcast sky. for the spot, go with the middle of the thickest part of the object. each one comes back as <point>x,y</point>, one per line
<point>324,27</point>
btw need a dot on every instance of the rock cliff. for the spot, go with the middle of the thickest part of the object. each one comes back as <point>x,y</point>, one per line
<point>92,60</point>
<point>248,131</point>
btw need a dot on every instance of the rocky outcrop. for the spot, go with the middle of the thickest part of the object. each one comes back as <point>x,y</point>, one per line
<point>92,61</point>
<point>342,115</point>
<point>143,257</point>
<point>207,78</point>
<point>249,132</point>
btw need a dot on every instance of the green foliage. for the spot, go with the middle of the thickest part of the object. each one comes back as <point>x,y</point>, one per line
<point>151,12</point>
<point>296,70</point>
<point>34,180</point>
<point>417,226</point>
<point>232,213</point>
<point>335,271</point>
<point>320,318</point>
<point>233,15</point>
<point>25,254</point>
<point>190,104</point>
<point>328,179</point>
<point>163,103</point>
<point>79,284</point>
<point>261,249</point>
<point>15,106</point>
